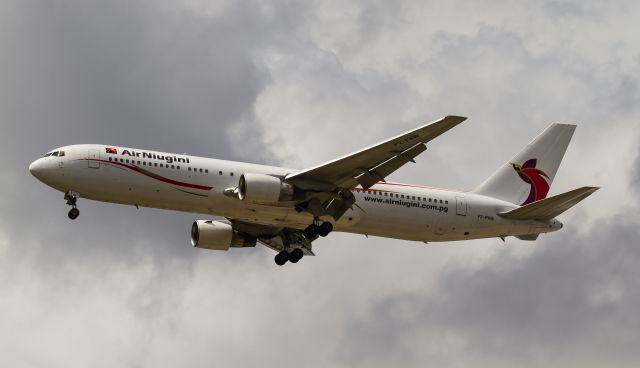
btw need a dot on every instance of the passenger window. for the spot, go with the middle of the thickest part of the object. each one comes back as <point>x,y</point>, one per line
<point>155,164</point>
<point>441,201</point>
<point>413,197</point>
<point>109,158</point>
<point>231,174</point>
<point>173,166</point>
<point>429,199</point>
<point>144,163</point>
<point>206,170</point>
<point>402,196</point>
<point>189,169</point>
<point>446,202</point>
<point>178,167</point>
<point>138,162</point>
<point>161,165</point>
<point>220,172</point>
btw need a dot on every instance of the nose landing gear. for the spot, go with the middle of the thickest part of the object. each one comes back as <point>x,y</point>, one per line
<point>72,200</point>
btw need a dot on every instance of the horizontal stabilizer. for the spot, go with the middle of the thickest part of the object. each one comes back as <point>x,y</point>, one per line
<point>546,209</point>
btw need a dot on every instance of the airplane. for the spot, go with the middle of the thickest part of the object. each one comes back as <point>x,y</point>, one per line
<point>287,209</point>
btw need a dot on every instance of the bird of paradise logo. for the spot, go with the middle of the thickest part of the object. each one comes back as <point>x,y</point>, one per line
<point>538,180</point>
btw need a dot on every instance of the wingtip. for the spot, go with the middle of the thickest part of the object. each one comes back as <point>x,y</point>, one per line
<point>565,125</point>
<point>457,118</point>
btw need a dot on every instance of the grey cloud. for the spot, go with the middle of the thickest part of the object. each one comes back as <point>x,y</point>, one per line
<point>636,173</point>
<point>574,299</point>
<point>123,71</point>
<point>562,10</point>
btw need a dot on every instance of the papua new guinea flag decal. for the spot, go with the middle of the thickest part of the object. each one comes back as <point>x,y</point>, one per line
<point>538,180</point>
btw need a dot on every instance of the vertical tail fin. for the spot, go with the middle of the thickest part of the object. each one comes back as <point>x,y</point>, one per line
<point>528,176</point>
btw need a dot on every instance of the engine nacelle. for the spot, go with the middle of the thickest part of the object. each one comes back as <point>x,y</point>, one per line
<point>218,235</point>
<point>264,189</point>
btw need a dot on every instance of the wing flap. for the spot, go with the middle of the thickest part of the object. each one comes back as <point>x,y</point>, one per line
<point>548,208</point>
<point>380,172</point>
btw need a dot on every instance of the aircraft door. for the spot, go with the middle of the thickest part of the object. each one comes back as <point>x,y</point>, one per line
<point>461,206</point>
<point>94,159</point>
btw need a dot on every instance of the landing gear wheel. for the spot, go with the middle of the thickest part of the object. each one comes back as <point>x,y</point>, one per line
<point>295,255</point>
<point>281,258</point>
<point>325,228</point>
<point>74,213</point>
<point>311,231</point>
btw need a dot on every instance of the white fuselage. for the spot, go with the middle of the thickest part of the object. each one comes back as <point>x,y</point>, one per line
<point>196,184</point>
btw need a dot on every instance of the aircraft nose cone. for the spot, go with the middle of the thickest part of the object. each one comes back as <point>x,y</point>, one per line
<point>37,168</point>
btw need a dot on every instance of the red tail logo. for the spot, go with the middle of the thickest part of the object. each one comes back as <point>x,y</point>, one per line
<point>538,180</point>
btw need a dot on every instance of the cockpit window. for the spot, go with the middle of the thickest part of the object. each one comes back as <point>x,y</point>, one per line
<point>55,154</point>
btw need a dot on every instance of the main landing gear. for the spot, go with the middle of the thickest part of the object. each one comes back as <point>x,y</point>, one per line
<point>311,232</point>
<point>72,200</point>
<point>293,256</point>
<point>317,228</point>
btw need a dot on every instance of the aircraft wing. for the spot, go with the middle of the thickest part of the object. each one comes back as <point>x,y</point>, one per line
<point>370,165</point>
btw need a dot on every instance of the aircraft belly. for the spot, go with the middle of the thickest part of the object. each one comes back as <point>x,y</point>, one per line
<point>264,214</point>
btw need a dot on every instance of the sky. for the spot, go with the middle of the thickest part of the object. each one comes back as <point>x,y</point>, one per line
<point>297,83</point>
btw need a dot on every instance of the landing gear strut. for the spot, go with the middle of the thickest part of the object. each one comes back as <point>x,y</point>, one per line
<point>292,256</point>
<point>72,200</point>
<point>316,228</point>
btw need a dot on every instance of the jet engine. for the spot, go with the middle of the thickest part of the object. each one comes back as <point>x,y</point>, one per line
<point>218,235</point>
<point>264,189</point>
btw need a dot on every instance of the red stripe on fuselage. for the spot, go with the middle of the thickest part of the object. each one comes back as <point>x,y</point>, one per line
<point>152,175</point>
